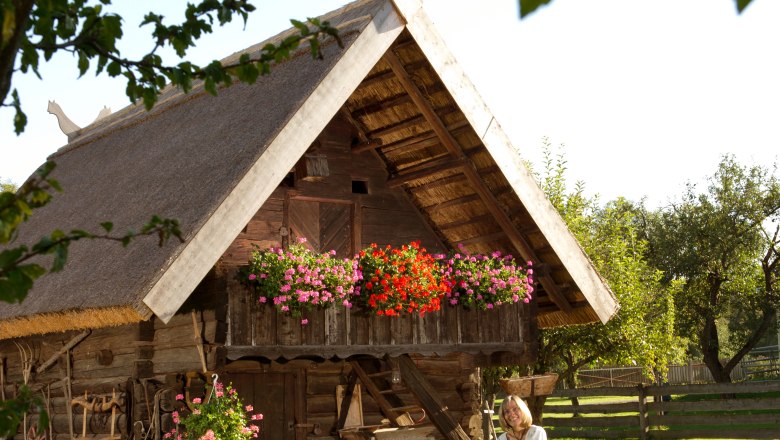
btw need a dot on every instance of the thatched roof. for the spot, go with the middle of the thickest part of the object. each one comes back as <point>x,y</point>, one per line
<point>211,162</point>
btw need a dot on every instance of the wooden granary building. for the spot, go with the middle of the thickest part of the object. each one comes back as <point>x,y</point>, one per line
<point>384,141</point>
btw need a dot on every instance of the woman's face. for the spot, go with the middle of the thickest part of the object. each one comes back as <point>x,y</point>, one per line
<point>512,414</point>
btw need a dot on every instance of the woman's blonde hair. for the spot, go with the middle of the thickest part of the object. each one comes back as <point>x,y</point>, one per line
<point>525,420</point>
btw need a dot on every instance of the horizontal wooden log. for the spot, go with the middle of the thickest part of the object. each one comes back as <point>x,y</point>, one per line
<point>713,420</point>
<point>344,351</point>
<point>96,424</point>
<point>614,391</point>
<point>720,433</point>
<point>602,408</point>
<point>600,422</point>
<point>715,388</point>
<point>717,405</point>
<point>592,433</point>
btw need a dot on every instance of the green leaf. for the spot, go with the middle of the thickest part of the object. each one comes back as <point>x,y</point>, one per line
<point>113,69</point>
<point>527,7</point>
<point>742,4</point>
<point>107,226</point>
<point>83,63</point>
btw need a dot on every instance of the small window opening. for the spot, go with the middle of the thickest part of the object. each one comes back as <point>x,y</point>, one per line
<point>359,187</point>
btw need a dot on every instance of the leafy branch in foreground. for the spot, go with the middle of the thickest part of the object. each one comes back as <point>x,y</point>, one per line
<point>34,29</point>
<point>13,410</point>
<point>17,271</point>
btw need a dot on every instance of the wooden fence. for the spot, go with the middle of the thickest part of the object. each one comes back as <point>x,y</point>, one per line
<point>724,411</point>
<point>762,367</point>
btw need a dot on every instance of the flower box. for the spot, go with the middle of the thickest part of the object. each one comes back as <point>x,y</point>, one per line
<point>529,386</point>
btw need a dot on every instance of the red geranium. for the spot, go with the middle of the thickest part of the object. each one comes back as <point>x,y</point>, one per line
<point>399,280</point>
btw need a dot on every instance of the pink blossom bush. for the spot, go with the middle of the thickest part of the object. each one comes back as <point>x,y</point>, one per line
<point>484,282</point>
<point>222,416</point>
<point>299,279</point>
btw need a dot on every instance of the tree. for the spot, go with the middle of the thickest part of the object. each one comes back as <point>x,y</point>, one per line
<point>34,29</point>
<point>528,7</point>
<point>642,332</point>
<point>723,246</point>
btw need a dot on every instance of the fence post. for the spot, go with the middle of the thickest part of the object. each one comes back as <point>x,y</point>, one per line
<point>643,422</point>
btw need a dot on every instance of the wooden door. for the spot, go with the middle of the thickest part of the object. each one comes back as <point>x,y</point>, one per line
<point>325,225</point>
<point>271,394</point>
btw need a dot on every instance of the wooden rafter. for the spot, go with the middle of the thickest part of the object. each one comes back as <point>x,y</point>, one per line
<point>518,241</point>
<point>483,238</point>
<point>452,202</point>
<point>423,140</point>
<point>425,169</point>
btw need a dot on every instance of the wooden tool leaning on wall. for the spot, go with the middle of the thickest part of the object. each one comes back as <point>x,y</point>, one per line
<point>98,404</point>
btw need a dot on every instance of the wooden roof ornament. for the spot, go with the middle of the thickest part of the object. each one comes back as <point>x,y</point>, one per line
<point>211,164</point>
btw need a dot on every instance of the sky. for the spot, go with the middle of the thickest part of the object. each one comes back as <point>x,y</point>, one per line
<point>640,96</point>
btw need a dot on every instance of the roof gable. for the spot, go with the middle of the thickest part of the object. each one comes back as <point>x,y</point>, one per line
<point>212,161</point>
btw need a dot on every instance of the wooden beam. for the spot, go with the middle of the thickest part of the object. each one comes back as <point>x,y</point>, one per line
<point>452,202</point>
<point>423,140</point>
<point>444,181</point>
<point>466,222</point>
<point>429,399</point>
<point>375,392</point>
<point>483,238</point>
<point>392,128</point>
<point>53,358</point>
<point>423,170</point>
<point>347,399</point>
<point>274,352</point>
<point>518,241</point>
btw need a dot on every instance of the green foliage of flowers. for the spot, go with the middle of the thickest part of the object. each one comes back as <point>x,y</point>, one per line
<point>385,281</point>
<point>298,279</point>
<point>221,416</point>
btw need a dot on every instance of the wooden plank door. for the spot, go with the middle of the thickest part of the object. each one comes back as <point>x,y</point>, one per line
<point>325,225</point>
<point>271,394</point>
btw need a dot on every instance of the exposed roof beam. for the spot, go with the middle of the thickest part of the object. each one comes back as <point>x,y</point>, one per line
<point>453,202</point>
<point>444,181</point>
<point>518,241</point>
<point>424,169</point>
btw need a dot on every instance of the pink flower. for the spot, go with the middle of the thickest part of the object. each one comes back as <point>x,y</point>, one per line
<point>220,393</point>
<point>196,411</point>
<point>196,400</point>
<point>249,408</point>
<point>304,321</point>
<point>252,277</point>
<point>209,435</point>
<point>180,397</point>
<point>263,300</point>
<point>257,417</point>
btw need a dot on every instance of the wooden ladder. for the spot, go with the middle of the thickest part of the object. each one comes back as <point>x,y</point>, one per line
<point>375,375</point>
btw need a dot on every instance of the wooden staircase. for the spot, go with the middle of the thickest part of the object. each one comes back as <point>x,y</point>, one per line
<point>405,402</point>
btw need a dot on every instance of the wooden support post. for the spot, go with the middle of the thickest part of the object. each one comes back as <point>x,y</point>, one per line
<point>429,400</point>
<point>113,412</point>
<point>643,422</point>
<point>347,400</point>
<point>69,391</point>
<point>84,418</point>
<point>199,342</point>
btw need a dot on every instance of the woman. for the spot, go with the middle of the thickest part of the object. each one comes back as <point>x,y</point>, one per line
<point>515,417</point>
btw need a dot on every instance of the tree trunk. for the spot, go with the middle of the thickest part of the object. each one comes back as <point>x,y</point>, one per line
<point>536,405</point>
<point>710,346</point>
